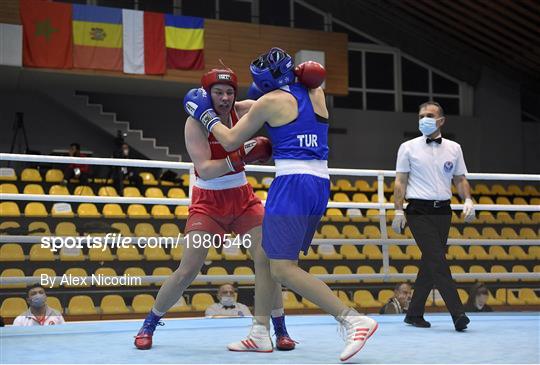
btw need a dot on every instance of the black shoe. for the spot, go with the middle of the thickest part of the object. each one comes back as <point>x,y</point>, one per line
<point>461,322</point>
<point>417,322</point>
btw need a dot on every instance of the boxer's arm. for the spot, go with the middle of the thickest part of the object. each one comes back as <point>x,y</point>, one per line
<point>242,107</point>
<point>199,151</point>
<point>261,111</point>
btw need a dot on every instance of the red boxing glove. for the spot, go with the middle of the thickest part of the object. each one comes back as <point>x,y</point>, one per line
<point>310,73</point>
<point>256,150</point>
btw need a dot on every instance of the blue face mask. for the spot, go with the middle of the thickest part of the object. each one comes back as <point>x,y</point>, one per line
<point>38,300</point>
<point>427,125</point>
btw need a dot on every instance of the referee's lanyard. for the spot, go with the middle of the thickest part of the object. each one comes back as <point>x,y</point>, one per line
<point>40,320</point>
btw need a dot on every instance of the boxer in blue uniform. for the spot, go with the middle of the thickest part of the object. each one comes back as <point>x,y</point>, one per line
<point>297,121</point>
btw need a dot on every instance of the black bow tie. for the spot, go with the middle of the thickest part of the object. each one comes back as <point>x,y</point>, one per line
<point>436,140</point>
<point>229,306</point>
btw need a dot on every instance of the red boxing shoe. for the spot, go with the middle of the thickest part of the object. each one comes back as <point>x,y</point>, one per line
<point>285,343</point>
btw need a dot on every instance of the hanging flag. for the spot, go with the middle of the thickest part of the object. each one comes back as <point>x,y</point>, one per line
<point>47,37</point>
<point>144,42</point>
<point>97,37</point>
<point>184,37</point>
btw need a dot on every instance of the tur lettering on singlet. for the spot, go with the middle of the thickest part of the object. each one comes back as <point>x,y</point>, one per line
<point>307,140</point>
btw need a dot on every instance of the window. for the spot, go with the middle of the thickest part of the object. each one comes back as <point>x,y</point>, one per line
<point>200,8</point>
<point>275,12</point>
<point>235,10</point>
<point>379,71</point>
<point>355,100</point>
<point>412,102</point>
<point>380,101</point>
<point>450,105</point>
<point>159,6</point>
<point>307,18</point>
<point>353,36</point>
<point>355,69</point>
<point>442,85</point>
<point>414,77</point>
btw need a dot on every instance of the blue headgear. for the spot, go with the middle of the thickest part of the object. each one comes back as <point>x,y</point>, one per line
<point>272,70</point>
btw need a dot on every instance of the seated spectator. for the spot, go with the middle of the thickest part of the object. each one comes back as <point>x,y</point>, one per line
<point>399,303</point>
<point>38,313</point>
<point>119,173</point>
<point>478,297</point>
<point>227,306</point>
<point>76,171</point>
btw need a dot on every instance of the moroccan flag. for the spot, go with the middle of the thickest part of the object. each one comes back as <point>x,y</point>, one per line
<point>46,34</point>
<point>144,42</point>
<point>97,37</point>
<point>184,37</point>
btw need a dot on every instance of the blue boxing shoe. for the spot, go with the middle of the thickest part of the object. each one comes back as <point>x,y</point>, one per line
<point>143,340</point>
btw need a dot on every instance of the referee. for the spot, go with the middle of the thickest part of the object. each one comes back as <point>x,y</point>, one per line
<point>425,168</point>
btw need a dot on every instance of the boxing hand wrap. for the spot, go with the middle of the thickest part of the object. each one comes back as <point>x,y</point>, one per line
<point>310,73</point>
<point>198,104</point>
<point>254,92</point>
<point>256,150</point>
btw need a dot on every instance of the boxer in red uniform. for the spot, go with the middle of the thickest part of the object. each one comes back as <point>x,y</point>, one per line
<point>222,202</point>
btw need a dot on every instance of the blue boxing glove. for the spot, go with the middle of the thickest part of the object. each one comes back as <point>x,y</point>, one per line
<point>254,92</point>
<point>198,104</point>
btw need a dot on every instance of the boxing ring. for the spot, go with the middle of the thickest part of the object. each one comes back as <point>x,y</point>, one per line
<point>491,338</point>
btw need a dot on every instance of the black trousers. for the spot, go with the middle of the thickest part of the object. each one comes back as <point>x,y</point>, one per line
<point>430,227</point>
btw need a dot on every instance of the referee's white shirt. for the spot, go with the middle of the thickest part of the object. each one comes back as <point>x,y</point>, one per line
<point>431,167</point>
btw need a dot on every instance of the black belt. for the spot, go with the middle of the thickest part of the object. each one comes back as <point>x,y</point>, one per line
<point>430,203</point>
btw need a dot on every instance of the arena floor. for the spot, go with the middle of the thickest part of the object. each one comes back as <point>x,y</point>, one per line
<point>491,338</point>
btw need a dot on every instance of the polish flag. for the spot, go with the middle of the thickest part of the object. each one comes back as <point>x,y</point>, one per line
<point>144,42</point>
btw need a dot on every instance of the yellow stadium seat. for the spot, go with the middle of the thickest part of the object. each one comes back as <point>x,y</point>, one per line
<point>372,252</point>
<point>113,304</point>
<point>161,212</point>
<point>54,176</point>
<point>493,301</point>
<point>267,181</point>
<point>333,186</point>
<point>343,270</point>
<point>309,305</point>
<point>458,253</point>
<point>350,252</point>
<point>216,270</point>
<point>31,175</point>
<point>83,190</point>
<point>363,186</point>
<point>503,200</point>
<point>131,191</point>
<point>311,255</point>
<point>504,218</point>
<point>81,305</point>
<point>456,269</point>
<point>7,174</point>
<point>389,188</point>
<point>243,270</point>
<point>71,254</point>
<point>9,189</point>
<point>463,295</point>
<point>154,193</point>
<point>123,229</point>
<point>201,301</point>
<point>345,185</point>
<point>88,210</point>
<point>534,252</point>
<point>328,252</point>
<point>335,215</point>
<point>76,272</point>
<point>410,269</point>
<point>341,197</point>
<point>375,198</point>
<point>414,252</point>
<point>156,254</point>
<point>490,232</point>
<point>98,254</point>
<point>320,270</point>
<point>62,210</point>
<point>38,253</point>
<point>520,269</point>
<point>128,254</point>
<point>290,301</point>
<point>531,190</point>
<point>11,252</point>
<point>252,180</point>
<point>181,306</point>
<point>509,233</point>
<point>344,298</point>
<point>35,209</point>
<point>12,273</point>
<point>518,253</point>
<point>499,253</point>
<point>485,200</point>
<point>142,303</point>
<point>477,269</point>
<point>396,253</point>
<point>330,231</point>
<point>519,201</point>
<point>498,269</point>
<point>498,189</point>
<point>233,253</point>
<point>528,296</point>
<point>66,229</point>
<point>145,230</point>
<point>10,224</point>
<point>185,180</point>
<point>363,298</point>
<point>454,233</point>
<point>355,215</point>
<point>373,216</point>
<point>486,217</point>
<point>261,194</point>
<point>372,232</point>
<point>478,253</point>
<point>535,217</point>
<point>351,231</point>
<point>213,255</point>
<point>471,232</point>
<point>107,191</point>
<point>46,271</point>
<point>176,193</point>
<point>514,190</point>
<point>12,307</point>
<point>391,270</point>
<point>54,303</point>
<point>365,270</point>
<point>103,272</point>
<point>137,211</point>
<point>113,211</point>
<point>169,230</point>
<point>360,198</point>
<point>161,271</point>
<point>181,211</point>
<point>148,178</point>
<point>385,295</point>
<point>527,233</point>
<point>135,272</point>
<point>176,252</point>
<point>33,189</point>
<point>9,209</point>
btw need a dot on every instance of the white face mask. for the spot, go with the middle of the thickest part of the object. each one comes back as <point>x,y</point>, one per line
<point>227,301</point>
<point>427,125</point>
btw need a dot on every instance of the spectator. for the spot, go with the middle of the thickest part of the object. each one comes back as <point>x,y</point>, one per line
<point>478,297</point>
<point>76,171</point>
<point>399,303</point>
<point>227,306</point>
<point>122,172</point>
<point>38,313</point>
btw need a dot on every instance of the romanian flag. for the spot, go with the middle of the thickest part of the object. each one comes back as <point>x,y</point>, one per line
<point>97,37</point>
<point>46,34</point>
<point>184,39</point>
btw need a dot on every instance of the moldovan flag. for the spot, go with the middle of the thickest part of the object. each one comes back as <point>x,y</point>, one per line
<point>184,37</point>
<point>46,34</point>
<point>97,37</point>
<point>144,42</point>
